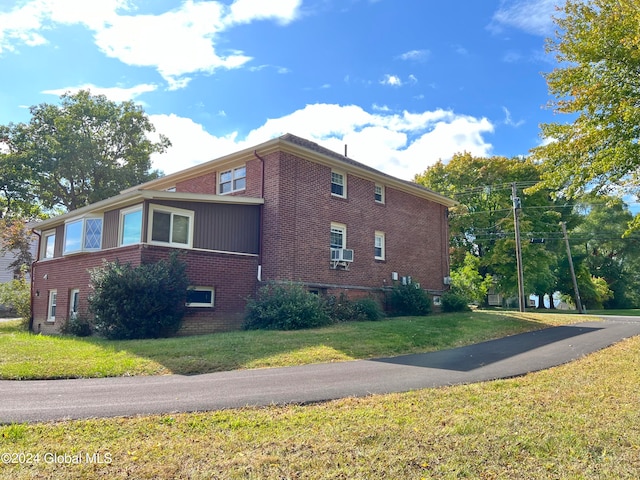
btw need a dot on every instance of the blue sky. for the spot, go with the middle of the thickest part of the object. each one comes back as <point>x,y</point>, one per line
<point>403,83</point>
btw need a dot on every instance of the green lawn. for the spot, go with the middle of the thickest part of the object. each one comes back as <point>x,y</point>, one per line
<point>577,421</point>
<point>26,356</point>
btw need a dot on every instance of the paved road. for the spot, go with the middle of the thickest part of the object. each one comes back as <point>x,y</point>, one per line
<point>33,401</point>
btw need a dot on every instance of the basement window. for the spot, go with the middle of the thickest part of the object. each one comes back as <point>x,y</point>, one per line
<point>200,297</point>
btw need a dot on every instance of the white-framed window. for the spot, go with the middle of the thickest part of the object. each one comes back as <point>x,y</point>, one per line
<point>201,297</point>
<point>83,234</point>
<point>51,309</point>
<point>232,180</point>
<point>131,225</point>
<point>170,226</point>
<point>379,246</point>
<point>48,244</point>
<point>338,184</point>
<point>379,193</point>
<point>338,235</point>
<point>74,302</point>
<point>437,300</point>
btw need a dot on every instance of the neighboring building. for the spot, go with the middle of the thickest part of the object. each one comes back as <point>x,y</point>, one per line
<point>285,210</point>
<point>7,272</point>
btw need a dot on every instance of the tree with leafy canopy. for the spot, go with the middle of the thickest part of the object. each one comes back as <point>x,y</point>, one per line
<point>84,150</point>
<point>607,255</point>
<point>597,45</point>
<point>483,223</point>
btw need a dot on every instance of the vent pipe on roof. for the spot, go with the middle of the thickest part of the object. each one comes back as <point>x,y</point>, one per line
<point>345,150</point>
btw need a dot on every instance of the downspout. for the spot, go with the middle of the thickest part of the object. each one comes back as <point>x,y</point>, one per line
<point>447,246</point>
<point>261,226</point>
<point>33,278</point>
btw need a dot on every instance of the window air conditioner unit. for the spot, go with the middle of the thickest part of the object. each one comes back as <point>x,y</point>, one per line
<point>341,255</point>
<point>447,280</point>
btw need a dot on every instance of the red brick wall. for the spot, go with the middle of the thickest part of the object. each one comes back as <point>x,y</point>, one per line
<point>207,184</point>
<point>203,184</point>
<point>66,273</point>
<point>298,212</point>
<point>232,276</point>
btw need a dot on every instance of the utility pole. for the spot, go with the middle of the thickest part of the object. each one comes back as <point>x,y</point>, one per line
<point>517,206</point>
<point>573,272</point>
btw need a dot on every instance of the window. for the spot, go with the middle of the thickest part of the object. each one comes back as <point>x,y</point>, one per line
<point>379,193</point>
<point>338,184</point>
<point>200,297</point>
<point>338,235</point>
<point>74,301</point>
<point>233,180</point>
<point>53,301</point>
<point>171,226</point>
<point>379,246</point>
<point>48,244</point>
<point>84,234</point>
<point>131,226</point>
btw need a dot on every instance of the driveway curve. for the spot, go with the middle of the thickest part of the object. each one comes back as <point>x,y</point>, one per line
<point>51,400</point>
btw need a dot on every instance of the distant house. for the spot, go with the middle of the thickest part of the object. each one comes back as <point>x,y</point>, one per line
<point>284,210</point>
<point>7,272</point>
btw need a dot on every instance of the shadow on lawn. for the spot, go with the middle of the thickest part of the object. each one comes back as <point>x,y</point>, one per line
<point>390,337</point>
<point>408,336</point>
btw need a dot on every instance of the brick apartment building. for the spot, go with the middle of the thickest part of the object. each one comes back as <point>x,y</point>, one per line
<point>284,210</point>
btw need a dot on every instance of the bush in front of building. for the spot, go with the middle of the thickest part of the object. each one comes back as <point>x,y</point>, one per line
<point>77,327</point>
<point>408,300</point>
<point>454,301</point>
<point>17,295</point>
<point>147,301</point>
<point>285,307</point>
<point>342,309</point>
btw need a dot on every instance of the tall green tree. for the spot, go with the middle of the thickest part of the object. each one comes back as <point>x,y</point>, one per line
<point>606,253</point>
<point>597,85</point>
<point>483,224</point>
<point>84,150</point>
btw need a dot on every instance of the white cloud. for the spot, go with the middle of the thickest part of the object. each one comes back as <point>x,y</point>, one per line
<point>392,80</point>
<point>245,11</point>
<point>116,94</point>
<point>401,144</point>
<point>532,16</point>
<point>177,43</point>
<point>509,121</point>
<point>191,144</point>
<point>20,26</point>
<point>415,55</point>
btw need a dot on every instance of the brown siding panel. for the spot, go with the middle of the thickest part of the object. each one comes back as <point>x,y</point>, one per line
<point>110,227</point>
<point>229,228</point>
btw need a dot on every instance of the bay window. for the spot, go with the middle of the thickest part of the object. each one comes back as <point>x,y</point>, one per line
<point>84,234</point>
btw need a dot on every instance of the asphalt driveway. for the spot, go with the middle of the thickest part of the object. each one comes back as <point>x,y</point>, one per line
<point>48,400</point>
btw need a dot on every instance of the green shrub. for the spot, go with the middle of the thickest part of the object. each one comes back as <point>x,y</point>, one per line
<point>17,295</point>
<point>285,307</point>
<point>342,309</point>
<point>78,327</point>
<point>147,301</point>
<point>453,301</point>
<point>367,309</point>
<point>409,300</point>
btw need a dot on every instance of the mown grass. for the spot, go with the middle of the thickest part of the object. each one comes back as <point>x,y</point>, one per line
<point>577,421</point>
<point>633,312</point>
<point>26,356</point>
